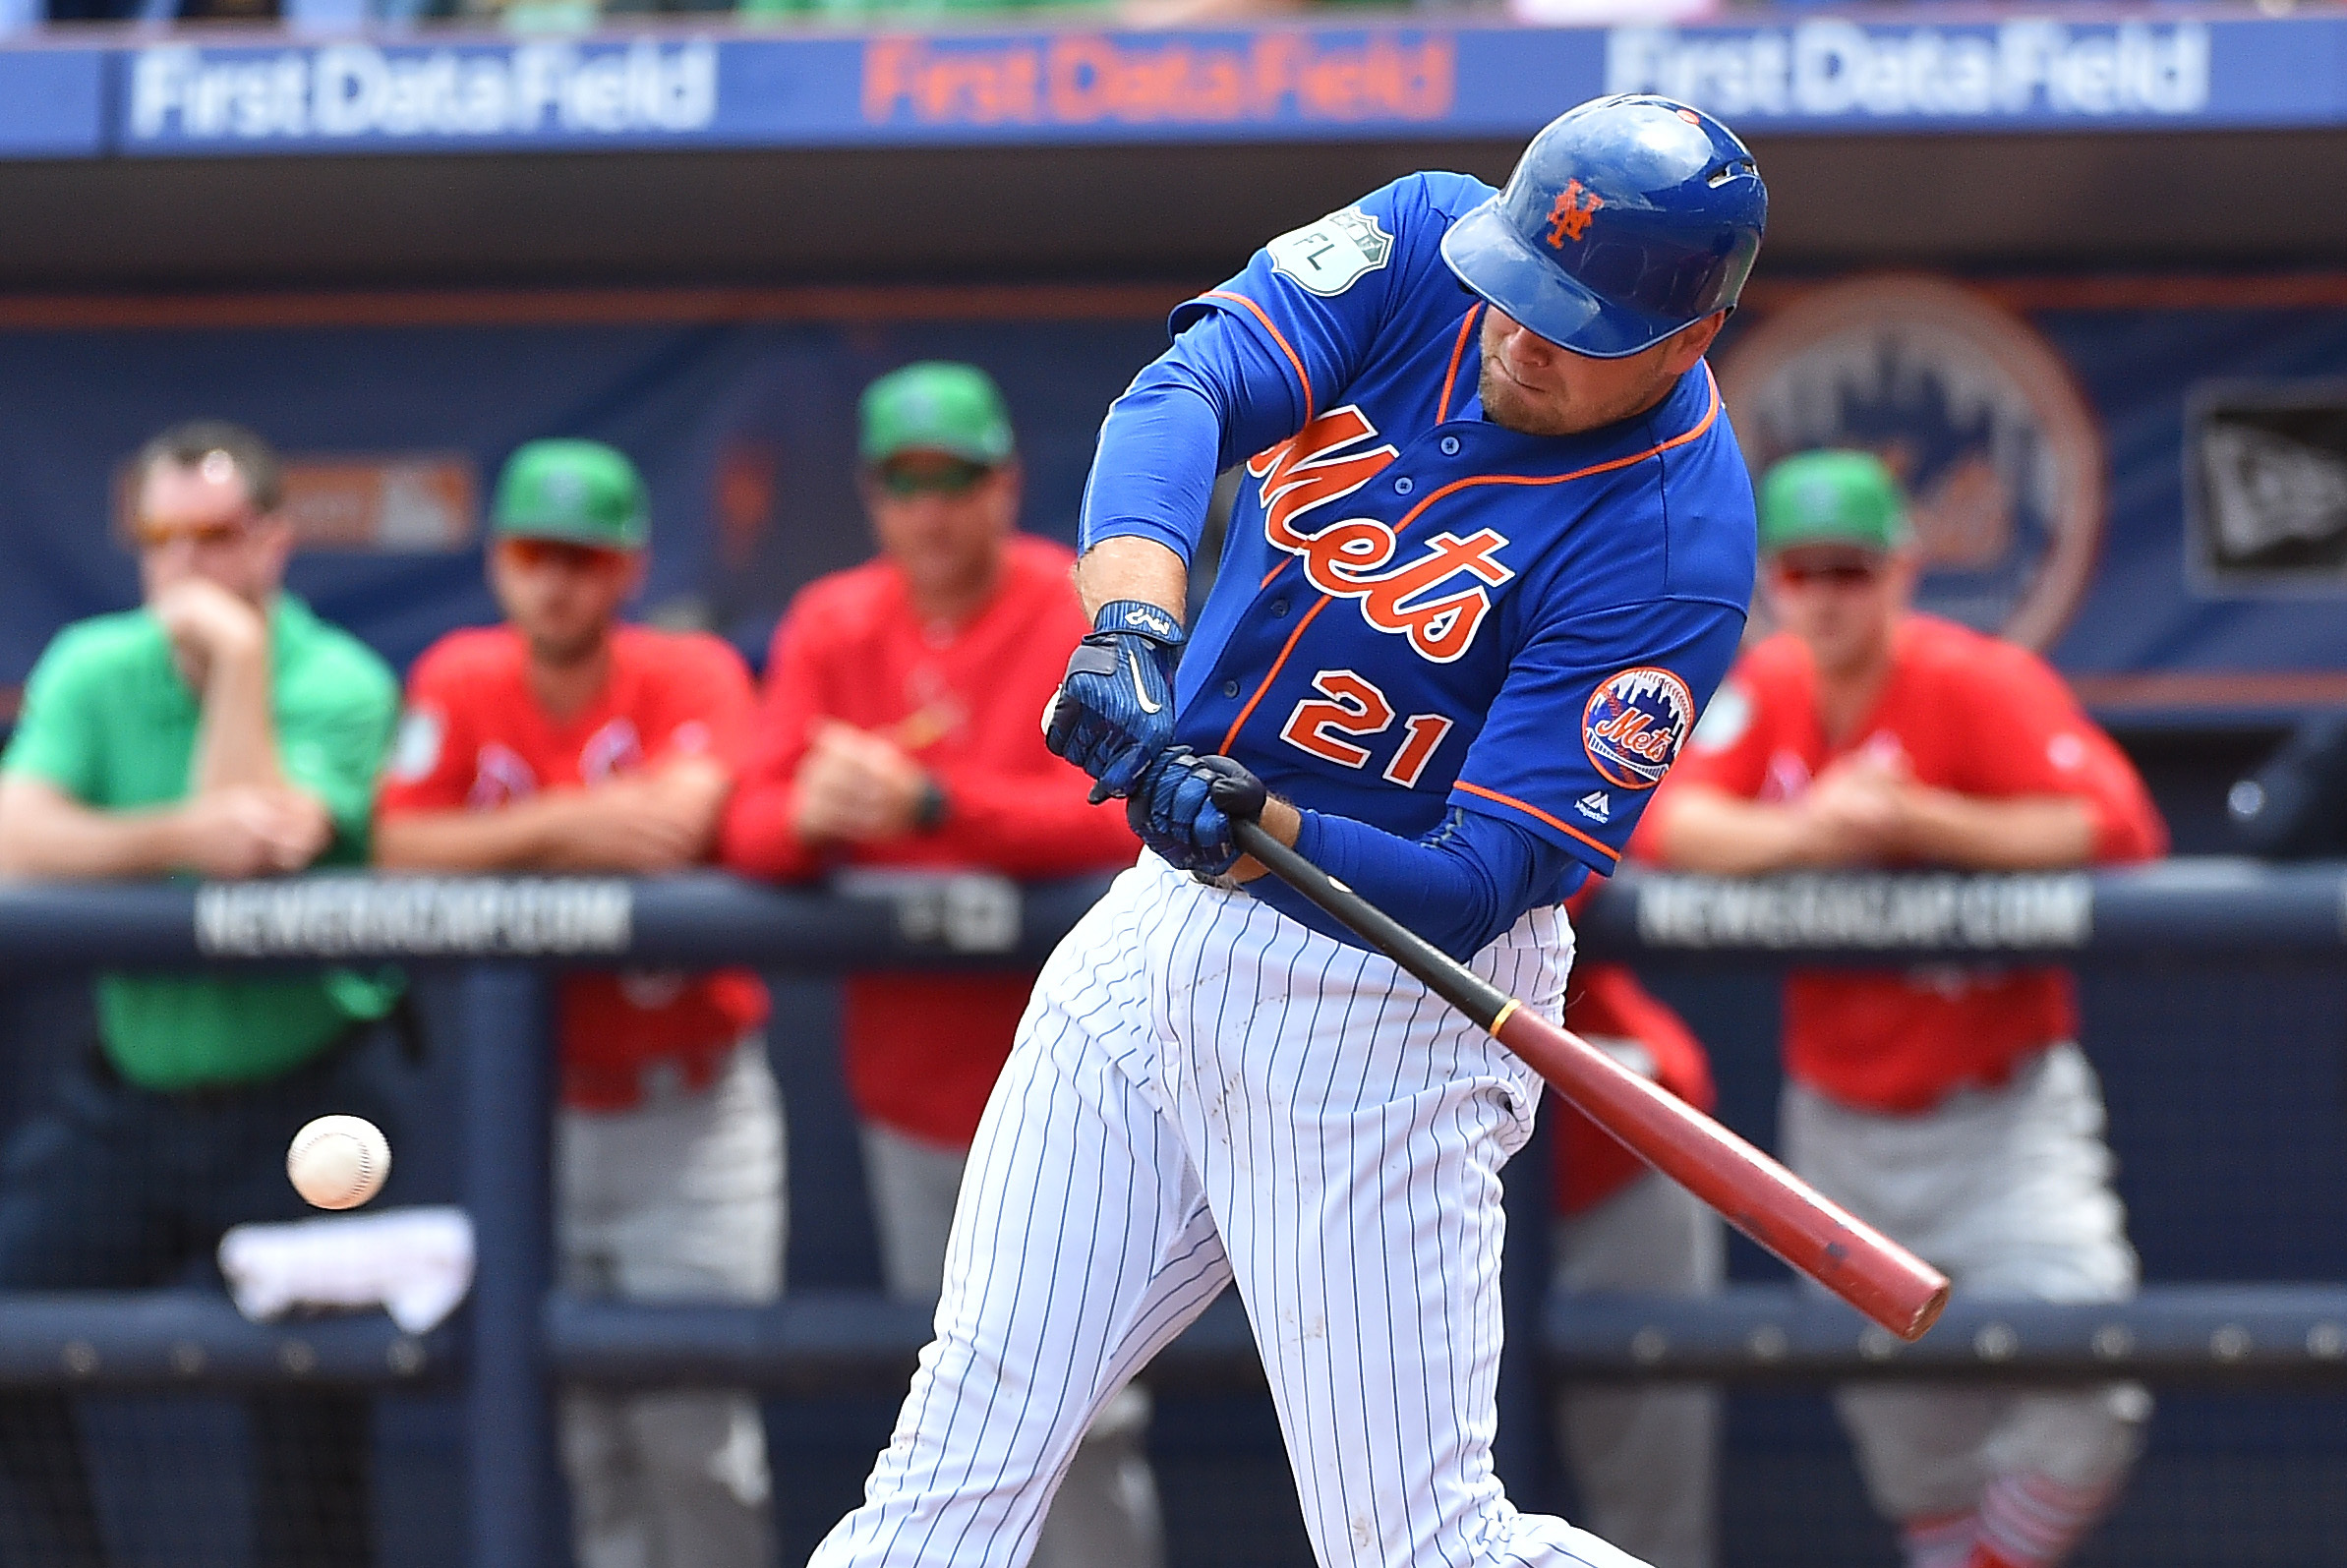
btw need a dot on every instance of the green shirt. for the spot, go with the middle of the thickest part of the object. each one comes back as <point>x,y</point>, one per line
<point>108,720</point>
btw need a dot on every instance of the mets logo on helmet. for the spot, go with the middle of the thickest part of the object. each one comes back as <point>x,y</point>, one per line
<point>1634,724</point>
<point>1569,218</point>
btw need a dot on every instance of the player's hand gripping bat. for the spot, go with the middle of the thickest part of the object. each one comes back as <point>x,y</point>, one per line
<point>1755,1194</point>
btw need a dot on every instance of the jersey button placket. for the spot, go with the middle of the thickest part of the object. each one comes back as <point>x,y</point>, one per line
<point>1230,688</point>
<point>1404,485</point>
<point>1450,447</point>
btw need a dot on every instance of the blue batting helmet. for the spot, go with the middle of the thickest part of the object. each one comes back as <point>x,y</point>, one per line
<point>1627,219</point>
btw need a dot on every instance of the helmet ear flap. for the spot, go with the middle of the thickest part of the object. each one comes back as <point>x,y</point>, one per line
<point>1733,169</point>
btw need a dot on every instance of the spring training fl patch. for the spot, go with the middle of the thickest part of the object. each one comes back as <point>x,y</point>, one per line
<point>1332,255</point>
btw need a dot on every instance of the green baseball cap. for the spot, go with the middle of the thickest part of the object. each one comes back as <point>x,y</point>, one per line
<point>935,406</point>
<point>1832,497</point>
<point>582,492</point>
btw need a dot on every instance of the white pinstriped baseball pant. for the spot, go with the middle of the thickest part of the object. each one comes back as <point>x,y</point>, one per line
<point>1204,1092</point>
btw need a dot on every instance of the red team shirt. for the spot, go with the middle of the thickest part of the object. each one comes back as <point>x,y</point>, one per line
<point>924,1050</point>
<point>1972,714</point>
<point>476,737</point>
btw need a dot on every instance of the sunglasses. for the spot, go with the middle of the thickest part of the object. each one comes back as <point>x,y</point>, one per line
<point>951,478</point>
<point>1834,574</point>
<point>154,535</point>
<point>541,552</point>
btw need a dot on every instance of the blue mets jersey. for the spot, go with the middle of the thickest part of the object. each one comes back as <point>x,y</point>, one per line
<point>1417,609</point>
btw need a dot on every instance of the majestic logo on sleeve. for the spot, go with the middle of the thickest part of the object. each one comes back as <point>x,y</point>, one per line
<point>1634,724</point>
<point>1569,218</point>
<point>1437,599</point>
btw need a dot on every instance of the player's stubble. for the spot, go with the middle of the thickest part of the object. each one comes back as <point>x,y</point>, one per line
<point>1529,386</point>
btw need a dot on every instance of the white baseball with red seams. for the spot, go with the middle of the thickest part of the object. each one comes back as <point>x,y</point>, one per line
<point>339,1161</point>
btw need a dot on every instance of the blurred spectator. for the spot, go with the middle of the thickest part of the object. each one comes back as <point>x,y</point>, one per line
<point>221,729</point>
<point>1645,1458</point>
<point>2294,808</point>
<point>566,740</point>
<point>902,728</point>
<point>1948,1105</point>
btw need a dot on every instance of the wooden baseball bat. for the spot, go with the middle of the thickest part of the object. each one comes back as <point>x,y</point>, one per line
<point>1752,1191</point>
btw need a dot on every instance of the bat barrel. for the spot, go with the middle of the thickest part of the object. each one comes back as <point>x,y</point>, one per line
<point>1752,1191</point>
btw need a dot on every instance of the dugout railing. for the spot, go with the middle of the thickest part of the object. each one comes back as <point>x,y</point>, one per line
<point>519,1338</point>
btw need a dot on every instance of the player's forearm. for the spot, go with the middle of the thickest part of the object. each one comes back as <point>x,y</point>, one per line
<point>1212,399</point>
<point>693,789</point>
<point>2026,833</point>
<point>1153,470</point>
<point>236,742</point>
<point>1716,833</point>
<point>44,834</point>
<point>525,836</point>
<point>1469,880</point>
<point>1024,828</point>
<point>1132,567</point>
<point>757,837</point>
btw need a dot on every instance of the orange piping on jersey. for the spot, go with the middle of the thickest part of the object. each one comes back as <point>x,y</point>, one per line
<point>1458,350</point>
<point>1302,380</point>
<point>1271,674</point>
<point>1709,414</point>
<point>1534,811</point>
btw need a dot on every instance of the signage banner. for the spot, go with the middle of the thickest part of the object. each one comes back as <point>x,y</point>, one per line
<point>52,104</point>
<point>1835,72</point>
<point>1833,75</point>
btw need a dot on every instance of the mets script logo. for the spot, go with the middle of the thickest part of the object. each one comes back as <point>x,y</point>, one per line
<point>1437,599</point>
<point>1635,724</point>
<point>1569,218</point>
<point>1972,408</point>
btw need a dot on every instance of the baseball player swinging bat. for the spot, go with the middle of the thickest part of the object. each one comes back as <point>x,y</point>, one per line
<point>1752,1191</point>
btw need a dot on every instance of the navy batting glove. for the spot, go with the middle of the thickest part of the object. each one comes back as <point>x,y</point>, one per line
<point>1114,709</point>
<point>1184,805</point>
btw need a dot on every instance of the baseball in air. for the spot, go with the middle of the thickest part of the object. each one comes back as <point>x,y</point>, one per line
<point>339,1161</point>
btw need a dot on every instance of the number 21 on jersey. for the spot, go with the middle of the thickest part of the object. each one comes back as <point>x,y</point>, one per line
<point>1352,708</point>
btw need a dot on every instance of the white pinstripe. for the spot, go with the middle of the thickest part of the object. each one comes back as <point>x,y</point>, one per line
<point>1204,1090</point>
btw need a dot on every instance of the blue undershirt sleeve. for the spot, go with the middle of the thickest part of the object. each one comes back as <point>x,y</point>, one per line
<point>1219,395</point>
<point>1461,885</point>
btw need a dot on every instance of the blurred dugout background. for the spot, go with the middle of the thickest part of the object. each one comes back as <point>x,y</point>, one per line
<point>2080,275</point>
